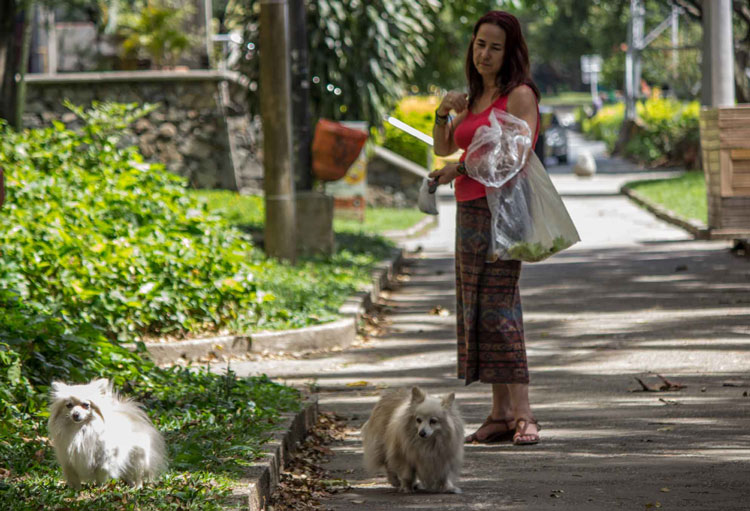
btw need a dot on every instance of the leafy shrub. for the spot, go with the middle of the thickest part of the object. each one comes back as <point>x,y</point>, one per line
<point>418,112</point>
<point>93,234</point>
<point>667,131</point>
<point>605,125</point>
<point>670,133</point>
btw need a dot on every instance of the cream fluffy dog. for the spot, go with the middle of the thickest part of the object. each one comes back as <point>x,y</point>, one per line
<point>415,437</point>
<point>97,435</point>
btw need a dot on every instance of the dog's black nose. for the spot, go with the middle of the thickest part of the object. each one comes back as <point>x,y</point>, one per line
<point>423,433</point>
<point>76,416</point>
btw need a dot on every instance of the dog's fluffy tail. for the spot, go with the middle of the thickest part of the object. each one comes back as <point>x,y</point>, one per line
<point>156,463</point>
<point>373,454</point>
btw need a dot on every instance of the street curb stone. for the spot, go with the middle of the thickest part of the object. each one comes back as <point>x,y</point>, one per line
<point>262,478</point>
<point>339,333</point>
<point>423,224</point>
<point>697,229</point>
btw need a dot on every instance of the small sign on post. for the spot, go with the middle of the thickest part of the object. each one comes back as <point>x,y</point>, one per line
<point>591,66</point>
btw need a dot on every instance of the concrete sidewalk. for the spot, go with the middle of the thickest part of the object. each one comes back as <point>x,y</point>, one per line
<point>635,298</point>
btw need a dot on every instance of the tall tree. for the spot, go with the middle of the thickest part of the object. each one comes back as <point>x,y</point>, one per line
<point>10,55</point>
<point>362,55</point>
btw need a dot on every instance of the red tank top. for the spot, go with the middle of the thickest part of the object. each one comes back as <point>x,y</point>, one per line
<point>466,188</point>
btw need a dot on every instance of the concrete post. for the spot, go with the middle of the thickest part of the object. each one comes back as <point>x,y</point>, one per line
<point>51,42</point>
<point>633,58</point>
<point>275,103</point>
<point>722,54</point>
<point>208,15</point>
<point>706,64</point>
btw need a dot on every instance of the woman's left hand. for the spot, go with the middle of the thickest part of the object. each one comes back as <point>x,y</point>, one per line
<point>446,174</point>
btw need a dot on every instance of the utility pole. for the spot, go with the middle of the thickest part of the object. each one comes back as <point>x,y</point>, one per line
<point>722,52</point>
<point>275,108</point>
<point>301,123</point>
<point>633,58</point>
<point>675,22</point>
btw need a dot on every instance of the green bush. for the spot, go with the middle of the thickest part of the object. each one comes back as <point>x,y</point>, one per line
<point>667,131</point>
<point>93,234</point>
<point>670,133</point>
<point>605,125</point>
<point>404,144</point>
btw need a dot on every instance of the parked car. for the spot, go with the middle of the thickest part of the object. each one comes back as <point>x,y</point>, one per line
<point>553,136</point>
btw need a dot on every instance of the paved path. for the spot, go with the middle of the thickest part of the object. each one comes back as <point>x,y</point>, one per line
<point>636,297</point>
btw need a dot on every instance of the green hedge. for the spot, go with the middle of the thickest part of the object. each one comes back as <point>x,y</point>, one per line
<point>404,144</point>
<point>667,131</point>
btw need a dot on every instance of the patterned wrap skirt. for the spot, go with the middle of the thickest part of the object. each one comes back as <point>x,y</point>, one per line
<point>491,345</point>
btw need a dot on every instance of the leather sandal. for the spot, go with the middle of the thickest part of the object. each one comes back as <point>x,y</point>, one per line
<point>521,426</point>
<point>496,436</point>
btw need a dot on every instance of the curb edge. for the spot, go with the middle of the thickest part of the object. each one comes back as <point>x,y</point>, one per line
<point>697,229</point>
<point>255,490</point>
<point>338,333</point>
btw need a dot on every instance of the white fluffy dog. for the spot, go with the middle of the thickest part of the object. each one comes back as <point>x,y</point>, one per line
<point>97,435</point>
<point>415,437</point>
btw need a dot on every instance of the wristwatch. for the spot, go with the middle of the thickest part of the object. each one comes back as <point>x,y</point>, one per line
<point>441,119</point>
<point>461,168</point>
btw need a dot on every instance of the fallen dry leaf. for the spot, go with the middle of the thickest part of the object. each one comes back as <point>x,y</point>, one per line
<point>669,401</point>
<point>439,310</point>
<point>666,386</point>
<point>304,483</point>
<point>732,383</point>
<point>361,383</point>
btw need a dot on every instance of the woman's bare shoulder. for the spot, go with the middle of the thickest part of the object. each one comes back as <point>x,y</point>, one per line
<point>522,96</point>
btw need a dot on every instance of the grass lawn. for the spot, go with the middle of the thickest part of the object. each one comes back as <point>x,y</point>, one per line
<point>567,99</point>
<point>249,210</point>
<point>313,289</point>
<point>684,195</point>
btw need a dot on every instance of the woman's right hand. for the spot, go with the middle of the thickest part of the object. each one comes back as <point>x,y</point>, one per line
<point>446,174</point>
<point>454,100</point>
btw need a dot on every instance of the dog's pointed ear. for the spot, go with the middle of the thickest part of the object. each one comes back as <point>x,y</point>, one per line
<point>448,400</point>
<point>57,389</point>
<point>103,386</point>
<point>417,396</point>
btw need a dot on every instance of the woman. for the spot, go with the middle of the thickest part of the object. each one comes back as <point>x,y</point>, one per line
<point>490,325</point>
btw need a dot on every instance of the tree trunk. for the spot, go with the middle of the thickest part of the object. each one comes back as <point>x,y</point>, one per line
<point>10,53</point>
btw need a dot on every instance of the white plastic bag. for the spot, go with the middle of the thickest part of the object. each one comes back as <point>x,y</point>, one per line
<point>426,200</point>
<point>499,151</point>
<point>529,219</point>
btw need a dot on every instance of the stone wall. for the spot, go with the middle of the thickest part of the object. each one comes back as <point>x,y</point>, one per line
<point>201,129</point>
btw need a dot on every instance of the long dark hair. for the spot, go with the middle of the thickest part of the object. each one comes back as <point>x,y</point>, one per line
<point>515,69</point>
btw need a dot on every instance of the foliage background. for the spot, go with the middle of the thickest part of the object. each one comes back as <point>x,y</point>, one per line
<point>667,132</point>
<point>362,55</point>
